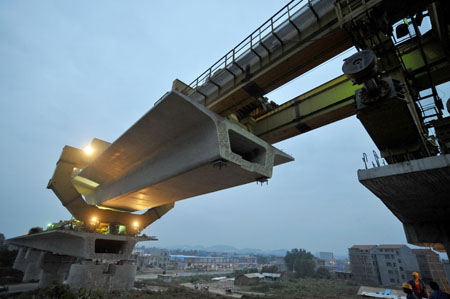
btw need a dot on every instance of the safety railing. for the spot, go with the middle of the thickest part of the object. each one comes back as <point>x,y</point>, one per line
<point>256,37</point>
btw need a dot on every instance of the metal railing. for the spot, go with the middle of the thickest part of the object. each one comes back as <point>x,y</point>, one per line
<point>255,38</point>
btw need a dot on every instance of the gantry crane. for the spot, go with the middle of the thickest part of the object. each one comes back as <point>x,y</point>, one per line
<point>382,84</point>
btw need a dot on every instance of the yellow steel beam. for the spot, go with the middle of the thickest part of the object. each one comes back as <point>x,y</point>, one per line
<point>437,61</point>
<point>325,104</point>
<point>334,100</point>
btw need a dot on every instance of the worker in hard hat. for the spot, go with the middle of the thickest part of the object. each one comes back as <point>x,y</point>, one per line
<point>407,288</point>
<point>418,286</point>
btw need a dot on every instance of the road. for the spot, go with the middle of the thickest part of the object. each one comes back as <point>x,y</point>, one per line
<point>22,287</point>
<point>220,291</point>
<point>180,273</point>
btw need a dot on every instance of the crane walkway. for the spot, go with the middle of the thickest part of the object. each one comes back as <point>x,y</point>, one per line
<point>300,36</point>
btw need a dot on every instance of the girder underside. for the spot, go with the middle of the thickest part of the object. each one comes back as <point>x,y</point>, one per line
<point>178,150</point>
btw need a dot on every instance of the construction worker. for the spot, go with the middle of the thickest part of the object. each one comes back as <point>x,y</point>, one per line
<point>407,288</point>
<point>418,286</point>
<point>437,294</point>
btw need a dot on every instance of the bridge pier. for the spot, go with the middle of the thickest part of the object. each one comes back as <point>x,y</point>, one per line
<point>417,193</point>
<point>20,262</point>
<point>73,258</point>
<point>94,275</point>
<point>54,268</point>
<point>33,269</point>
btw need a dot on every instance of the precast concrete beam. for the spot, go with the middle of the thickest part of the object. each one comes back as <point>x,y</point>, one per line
<point>179,149</point>
<point>68,190</point>
<point>78,244</point>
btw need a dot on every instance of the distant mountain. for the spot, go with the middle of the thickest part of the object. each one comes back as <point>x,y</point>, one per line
<point>279,252</point>
<point>222,248</point>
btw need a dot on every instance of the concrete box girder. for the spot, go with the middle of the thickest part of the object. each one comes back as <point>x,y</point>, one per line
<point>418,193</point>
<point>414,190</point>
<point>170,154</point>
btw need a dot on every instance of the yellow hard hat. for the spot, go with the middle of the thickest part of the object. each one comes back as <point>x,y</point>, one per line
<point>406,285</point>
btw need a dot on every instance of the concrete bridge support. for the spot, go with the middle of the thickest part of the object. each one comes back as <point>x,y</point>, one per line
<point>417,192</point>
<point>54,268</point>
<point>72,257</point>
<point>20,262</point>
<point>33,269</point>
<point>89,274</point>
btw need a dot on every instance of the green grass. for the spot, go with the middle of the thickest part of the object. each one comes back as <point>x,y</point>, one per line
<point>192,279</point>
<point>309,288</point>
<point>64,292</point>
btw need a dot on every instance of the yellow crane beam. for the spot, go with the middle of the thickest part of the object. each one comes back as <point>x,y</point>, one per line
<point>335,100</point>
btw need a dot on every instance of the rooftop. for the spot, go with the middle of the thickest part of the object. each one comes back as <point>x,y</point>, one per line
<point>392,246</point>
<point>363,247</point>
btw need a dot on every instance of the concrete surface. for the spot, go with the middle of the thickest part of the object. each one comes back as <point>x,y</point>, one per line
<point>20,263</point>
<point>54,268</point>
<point>33,270</point>
<point>418,193</point>
<point>67,188</point>
<point>107,277</point>
<point>22,287</point>
<point>171,153</point>
<point>78,244</point>
<point>60,255</point>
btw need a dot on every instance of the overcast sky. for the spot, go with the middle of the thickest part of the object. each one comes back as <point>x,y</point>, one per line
<point>74,70</point>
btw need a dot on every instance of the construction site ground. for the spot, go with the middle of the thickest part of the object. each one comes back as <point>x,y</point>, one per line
<point>202,286</point>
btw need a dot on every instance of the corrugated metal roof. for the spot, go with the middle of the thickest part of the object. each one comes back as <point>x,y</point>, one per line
<point>254,275</point>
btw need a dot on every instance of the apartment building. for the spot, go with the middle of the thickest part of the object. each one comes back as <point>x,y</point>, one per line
<point>388,265</point>
<point>364,264</point>
<point>396,263</point>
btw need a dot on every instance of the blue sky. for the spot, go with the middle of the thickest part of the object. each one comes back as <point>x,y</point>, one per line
<point>75,70</point>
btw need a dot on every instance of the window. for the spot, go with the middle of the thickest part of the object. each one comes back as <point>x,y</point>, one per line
<point>394,264</point>
<point>399,261</point>
<point>388,264</point>
<point>390,272</point>
<point>401,268</point>
<point>403,276</point>
<point>392,280</point>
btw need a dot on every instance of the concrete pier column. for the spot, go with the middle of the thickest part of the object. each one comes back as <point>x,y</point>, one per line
<point>33,269</point>
<point>20,262</point>
<point>108,277</point>
<point>124,275</point>
<point>54,268</point>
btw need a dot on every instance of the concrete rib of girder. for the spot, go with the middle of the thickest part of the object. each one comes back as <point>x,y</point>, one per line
<point>178,150</point>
